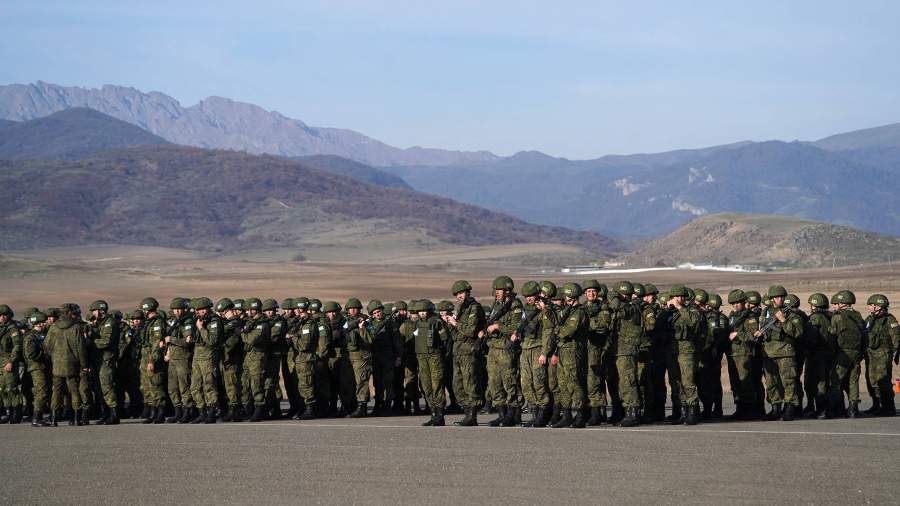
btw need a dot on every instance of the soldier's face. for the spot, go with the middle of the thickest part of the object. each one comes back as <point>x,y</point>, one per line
<point>331,315</point>
<point>4,318</point>
<point>178,312</point>
<point>873,308</point>
<point>97,313</point>
<point>461,297</point>
<point>591,294</point>
<point>649,299</point>
<point>50,320</point>
<point>269,314</point>
<point>136,323</point>
<point>202,312</point>
<point>500,294</point>
<point>377,314</point>
<point>353,311</point>
<point>531,300</point>
<point>422,314</point>
<point>737,306</point>
<point>777,301</point>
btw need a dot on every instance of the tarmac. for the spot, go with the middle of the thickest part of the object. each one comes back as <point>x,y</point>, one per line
<point>396,461</point>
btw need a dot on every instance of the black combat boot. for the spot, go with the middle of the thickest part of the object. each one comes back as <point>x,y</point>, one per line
<point>541,414</point>
<point>717,410</point>
<point>229,415</point>
<point>76,418</point>
<point>677,417</point>
<point>211,415</point>
<point>309,413</point>
<point>438,417</point>
<point>189,415</point>
<point>580,418</point>
<point>257,414</point>
<point>4,415</point>
<point>594,420</point>
<point>788,414</point>
<point>509,419</point>
<point>27,413</point>
<point>248,409</point>
<point>630,420</point>
<point>469,419</point>
<point>554,415</point>
<point>103,415</point>
<point>175,416</point>
<point>37,420</point>
<point>876,407</point>
<point>853,410</point>
<point>488,407</point>
<point>113,417</point>
<point>151,414</point>
<point>692,414</point>
<point>200,416</point>
<point>145,413</point>
<point>775,414</point>
<point>16,416</point>
<point>501,414</point>
<point>565,419</point>
<point>645,416</point>
<point>54,418</point>
<point>361,409</point>
<point>238,413</point>
<point>85,416</point>
<point>535,416</point>
<point>276,413</point>
<point>160,415</point>
<point>430,421</point>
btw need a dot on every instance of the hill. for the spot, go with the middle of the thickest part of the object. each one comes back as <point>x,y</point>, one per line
<point>765,240</point>
<point>226,201</point>
<point>70,134</point>
<point>353,169</point>
<point>882,136</point>
<point>218,122</point>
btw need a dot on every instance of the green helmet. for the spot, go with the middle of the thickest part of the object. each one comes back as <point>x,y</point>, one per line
<point>844,297</point>
<point>269,305</point>
<point>301,303</point>
<point>201,303</point>
<point>664,298</point>
<point>53,312</point>
<point>503,283</point>
<point>445,305</point>
<point>287,303</point>
<point>878,300</point>
<point>715,301</point>
<point>753,297</point>
<point>71,307</point>
<point>548,289</point>
<point>353,303</point>
<point>589,284</point>
<point>460,286</point>
<point>253,303</point>
<point>776,291</point>
<point>737,295</point>
<point>37,317</point>
<point>639,289</point>
<point>149,304</point>
<point>137,314</point>
<point>604,291</point>
<point>624,288</point>
<point>177,303</point>
<point>240,304</point>
<point>376,304</point>
<point>315,304</point>
<point>650,289</point>
<point>792,301</point>
<point>531,289</point>
<point>99,305</point>
<point>400,305</point>
<point>690,295</point>
<point>678,291</point>
<point>701,296</point>
<point>818,300</point>
<point>331,306</point>
<point>28,311</point>
<point>6,311</point>
<point>224,305</point>
<point>571,290</point>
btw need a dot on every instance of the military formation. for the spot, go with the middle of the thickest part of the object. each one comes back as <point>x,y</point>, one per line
<point>572,356</point>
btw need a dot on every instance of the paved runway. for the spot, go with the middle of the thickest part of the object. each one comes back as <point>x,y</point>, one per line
<point>394,460</point>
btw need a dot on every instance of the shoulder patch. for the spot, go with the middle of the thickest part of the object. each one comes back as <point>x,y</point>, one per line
<point>157,327</point>
<point>321,328</point>
<point>894,325</point>
<point>259,327</point>
<point>213,325</point>
<point>305,331</point>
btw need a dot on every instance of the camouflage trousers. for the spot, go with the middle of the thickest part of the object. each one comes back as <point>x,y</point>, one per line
<point>180,383</point>
<point>305,369</point>
<point>645,385</point>
<point>254,372</point>
<point>88,386</point>
<point>431,378</point>
<point>39,389</point>
<point>596,376</point>
<point>465,380</point>
<point>534,380</point>
<point>343,381</point>
<point>839,378</point>
<point>272,381</point>
<point>681,365</point>
<point>107,377</point>
<point>571,370</point>
<point>878,374</point>
<point>154,386</point>
<point>232,370</point>
<point>289,376</point>
<point>204,382</point>
<point>383,377</point>
<point>626,365</point>
<point>63,385</point>
<point>781,379</point>
<point>9,388</point>
<point>411,378</point>
<point>740,373</point>
<point>362,372</point>
<point>503,377</point>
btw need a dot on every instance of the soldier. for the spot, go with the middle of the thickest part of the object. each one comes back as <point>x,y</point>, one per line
<point>210,331</point>
<point>10,356</point>
<point>277,349</point>
<point>326,396</point>
<point>820,347</point>
<point>256,335</point>
<point>105,330</point>
<point>626,324</point>
<point>847,327</point>
<point>65,344</point>
<point>882,339</point>
<point>800,350</point>
<point>444,310</point>
<point>344,329</point>
<point>780,331</point>
<point>410,363</point>
<point>717,326</point>
<point>128,369</point>
<point>503,374</point>
<point>683,352</point>
<point>568,344</point>
<point>359,347</point>
<point>304,338</point>
<point>153,364</point>
<point>232,358</point>
<point>742,323</point>
<point>465,326</point>
<point>288,375</point>
<point>36,365</point>
<point>643,360</point>
<point>180,339</point>
<point>599,326</point>
<point>430,339</point>
<point>400,315</point>
<point>386,350</point>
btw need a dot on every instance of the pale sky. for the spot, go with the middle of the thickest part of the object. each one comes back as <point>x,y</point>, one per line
<point>575,79</point>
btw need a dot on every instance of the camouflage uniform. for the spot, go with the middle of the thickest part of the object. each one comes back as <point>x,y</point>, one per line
<point>105,337</point>
<point>304,337</point>
<point>502,366</point>
<point>10,355</point>
<point>882,338</point>
<point>37,363</point>
<point>180,352</point>
<point>205,367</point>
<point>847,327</point>
<point>779,357</point>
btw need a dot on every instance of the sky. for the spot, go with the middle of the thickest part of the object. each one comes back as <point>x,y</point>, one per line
<point>571,79</point>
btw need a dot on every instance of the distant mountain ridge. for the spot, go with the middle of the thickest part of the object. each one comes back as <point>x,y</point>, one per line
<point>218,122</point>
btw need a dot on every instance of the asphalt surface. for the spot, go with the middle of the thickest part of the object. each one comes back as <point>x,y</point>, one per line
<point>394,460</point>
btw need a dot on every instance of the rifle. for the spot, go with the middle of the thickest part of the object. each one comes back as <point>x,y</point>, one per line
<point>497,313</point>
